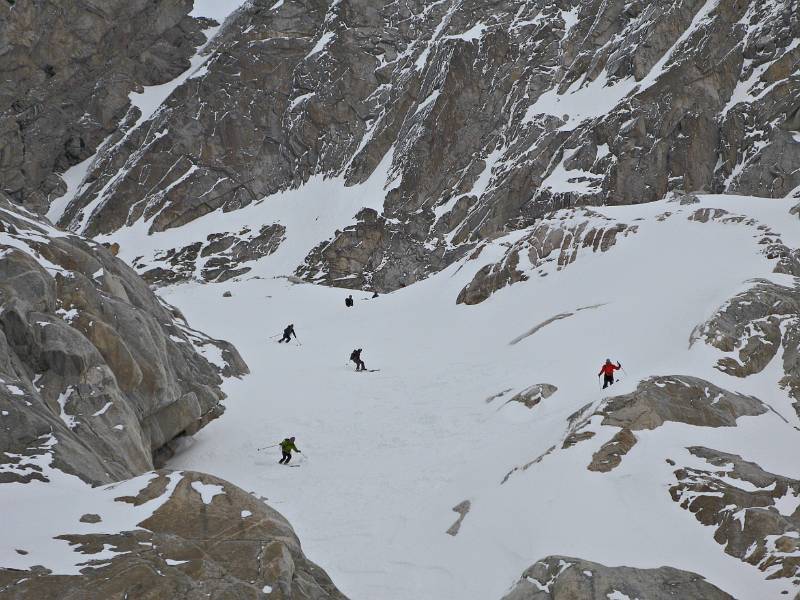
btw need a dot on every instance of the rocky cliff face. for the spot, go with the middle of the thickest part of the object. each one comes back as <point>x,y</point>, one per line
<point>99,380</point>
<point>65,76</point>
<point>91,356</point>
<point>477,119</point>
<point>481,116</point>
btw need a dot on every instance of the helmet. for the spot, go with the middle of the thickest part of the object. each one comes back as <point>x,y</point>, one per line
<point>292,438</point>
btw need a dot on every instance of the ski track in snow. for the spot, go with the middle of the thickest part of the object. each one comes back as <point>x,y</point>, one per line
<point>387,455</point>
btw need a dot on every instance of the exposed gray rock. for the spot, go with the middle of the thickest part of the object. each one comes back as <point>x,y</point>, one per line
<point>610,454</point>
<point>65,74</point>
<point>467,129</point>
<point>89,355</point>
<point>756,514</point>
<point>531,396</point>
<point>231,546</point>
<point>683,198</point>
<point>462,508</point>
<point>753,327</point>
<point>91,518</point>
<point>566,578</point>
<point>676,398</point>
<point>681,399</point>
<point>220,258</point>
<point>548,242</point>
<point>704,215</point>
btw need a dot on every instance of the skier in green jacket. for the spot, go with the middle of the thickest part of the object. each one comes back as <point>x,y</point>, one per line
<point>287,446</point>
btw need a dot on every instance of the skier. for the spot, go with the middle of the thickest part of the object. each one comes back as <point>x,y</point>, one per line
<point>348,302</point>
<point>355,356</point>
<point>287,334</point>
<point>607,370</point>
<point>287,446</point>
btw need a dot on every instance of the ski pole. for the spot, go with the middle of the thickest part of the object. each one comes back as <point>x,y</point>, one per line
<point>623,370</point>
<point>265,447</point>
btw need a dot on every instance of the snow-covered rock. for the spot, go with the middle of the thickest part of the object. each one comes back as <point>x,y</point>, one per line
<point>756,513</point>
<point>178,546</point>
<point>753,327</point>
<point>567,578</point>
<point>657,400</point>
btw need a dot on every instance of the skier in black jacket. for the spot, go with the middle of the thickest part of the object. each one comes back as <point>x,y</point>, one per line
<point>355,356</point>
<point>287,334</point>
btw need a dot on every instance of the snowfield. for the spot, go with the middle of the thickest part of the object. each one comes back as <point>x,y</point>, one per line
<point>388,454</point>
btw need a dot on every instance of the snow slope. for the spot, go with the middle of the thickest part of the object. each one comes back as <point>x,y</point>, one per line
<point>386,455</point>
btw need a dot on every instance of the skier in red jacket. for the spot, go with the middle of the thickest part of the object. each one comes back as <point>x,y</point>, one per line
<point>607,370</point>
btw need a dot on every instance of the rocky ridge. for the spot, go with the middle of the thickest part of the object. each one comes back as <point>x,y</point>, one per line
<point>753,327</point>
<point>482,117</point>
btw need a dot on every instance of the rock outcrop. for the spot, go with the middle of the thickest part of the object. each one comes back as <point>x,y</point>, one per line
<point>534,394</point>
<point>755,514</point>
<point>676,398</point>
<point>207,539</point>
<point>480,118</point>
<point>566,578</point>
<point>220,258</point>
<point>91,355</point>
<point>557,240</point>
<point>753,327</point>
